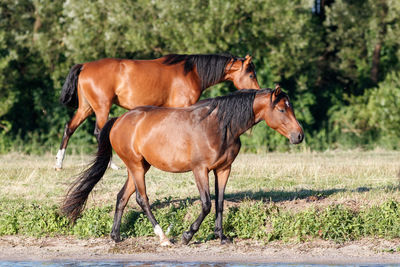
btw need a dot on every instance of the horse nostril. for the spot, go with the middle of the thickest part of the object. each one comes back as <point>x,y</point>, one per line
<point>296,137</point>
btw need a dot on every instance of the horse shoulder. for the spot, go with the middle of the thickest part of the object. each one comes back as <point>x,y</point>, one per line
<point>185,89</point>
<point>219,154</point>
<point>226,156</point>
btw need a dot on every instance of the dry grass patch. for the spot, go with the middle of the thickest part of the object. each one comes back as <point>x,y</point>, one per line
<point>288,179</point>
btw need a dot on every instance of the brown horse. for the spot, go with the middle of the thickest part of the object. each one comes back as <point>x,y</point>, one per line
<point>199,138</point>
<point>170,81</point>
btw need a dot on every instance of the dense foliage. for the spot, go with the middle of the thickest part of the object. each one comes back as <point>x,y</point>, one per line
<point>337,59</point>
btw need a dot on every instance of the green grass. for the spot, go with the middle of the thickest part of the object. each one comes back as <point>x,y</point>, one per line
<point>334,195</point>
<point>250,220</point>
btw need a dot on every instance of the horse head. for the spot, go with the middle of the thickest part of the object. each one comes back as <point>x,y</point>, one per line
<point>277,111</point>
<point>242,73</point>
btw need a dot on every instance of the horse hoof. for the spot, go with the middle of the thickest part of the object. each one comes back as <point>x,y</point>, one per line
<point>225,241</point>
<point>186,238</point>
<point>116,238</point>
<point>57,169</point>
<point>166,243</point>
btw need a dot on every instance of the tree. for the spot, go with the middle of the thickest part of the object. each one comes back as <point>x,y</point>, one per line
<point>364,37</point>
<point>326,54</point>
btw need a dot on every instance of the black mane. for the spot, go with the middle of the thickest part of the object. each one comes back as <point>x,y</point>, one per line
<point>210,68</point>
<point>235,111</point>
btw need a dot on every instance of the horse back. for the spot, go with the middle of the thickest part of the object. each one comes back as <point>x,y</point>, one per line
<point>171,139</point>
<point>132,83</point>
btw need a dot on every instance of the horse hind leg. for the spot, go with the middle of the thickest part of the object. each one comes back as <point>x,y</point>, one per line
<point>81,114</point>
<point>61,152</point>
<point>122,199</point>
<point>143,201</point>
<point>101,119</point>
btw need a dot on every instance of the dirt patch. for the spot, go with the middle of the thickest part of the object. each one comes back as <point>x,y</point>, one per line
<point>147,249</point>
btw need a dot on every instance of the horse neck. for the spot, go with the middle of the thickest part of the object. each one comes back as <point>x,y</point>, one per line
<point>239,131</point>
<point>204,84</point>
<point>202,87</point>
<point>244,129</point>
<point>260,106</point>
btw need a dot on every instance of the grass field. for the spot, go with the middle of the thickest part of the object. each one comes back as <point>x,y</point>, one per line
<point>297,183</point>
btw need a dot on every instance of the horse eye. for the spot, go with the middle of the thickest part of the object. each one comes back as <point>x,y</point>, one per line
<point>281,110</point>
<point>251,76</point>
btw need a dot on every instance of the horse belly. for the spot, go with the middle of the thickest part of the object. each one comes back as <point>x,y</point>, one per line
<point>168,148</point>
<point>168,158</point>
<point>134,95</point>
<point>170,165</point>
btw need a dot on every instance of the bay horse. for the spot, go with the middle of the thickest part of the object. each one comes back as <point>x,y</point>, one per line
<point>169,81</point>
<point>199,138</point>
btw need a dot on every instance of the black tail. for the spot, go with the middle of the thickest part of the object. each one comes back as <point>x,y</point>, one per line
<point>78,193</point>
<point>69,92</point>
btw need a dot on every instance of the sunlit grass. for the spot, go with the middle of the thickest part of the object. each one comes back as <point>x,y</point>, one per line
<point>335,195</point>
<point>362,178</point>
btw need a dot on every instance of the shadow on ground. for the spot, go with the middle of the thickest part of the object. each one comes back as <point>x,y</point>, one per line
<point>274,196</point>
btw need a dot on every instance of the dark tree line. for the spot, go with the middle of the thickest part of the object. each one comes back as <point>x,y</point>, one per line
<point>337,59</point>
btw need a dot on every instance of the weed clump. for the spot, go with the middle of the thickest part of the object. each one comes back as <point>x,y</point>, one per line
<point>249,220</point>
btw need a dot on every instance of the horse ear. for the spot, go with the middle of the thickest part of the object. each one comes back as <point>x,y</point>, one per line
<point>277,89</point>
<point>247,59</point>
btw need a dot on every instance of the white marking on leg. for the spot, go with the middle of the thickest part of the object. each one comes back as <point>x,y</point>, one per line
<point>112,165</point>
<point>59,158</point>
<point>164,241</point>
<point>169,228</point>
<point>158,231</point>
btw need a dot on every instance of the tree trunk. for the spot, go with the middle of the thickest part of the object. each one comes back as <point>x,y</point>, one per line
<point>375,62</point>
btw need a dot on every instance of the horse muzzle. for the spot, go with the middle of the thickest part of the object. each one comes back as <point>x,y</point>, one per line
<point>296,137</point>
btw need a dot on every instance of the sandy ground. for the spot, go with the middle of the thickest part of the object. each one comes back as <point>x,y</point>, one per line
<point>240,251</point>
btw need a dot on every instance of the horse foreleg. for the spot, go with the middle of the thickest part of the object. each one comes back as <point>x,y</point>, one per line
<point>221,178</point>
<point>122,199</point>
<point>143,201</point>
<point>201,177</point>
<point>81,114</point>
